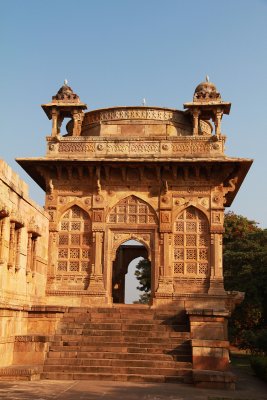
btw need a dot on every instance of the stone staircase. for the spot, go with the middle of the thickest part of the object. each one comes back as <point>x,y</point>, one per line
<point>123,343</point>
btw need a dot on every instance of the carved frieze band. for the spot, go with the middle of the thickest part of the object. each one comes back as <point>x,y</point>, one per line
<point>147,114</point>
<point>76,147</point>
<point>186,147</point>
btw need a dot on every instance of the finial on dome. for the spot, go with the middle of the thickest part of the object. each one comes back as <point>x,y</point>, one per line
<point>144,102</point>
<point>65,82</point>
<point>207,78</point>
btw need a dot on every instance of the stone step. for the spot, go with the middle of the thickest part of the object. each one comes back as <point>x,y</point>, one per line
<point>121,343</point>
<point>183,348</point>
<point>120,326</point>
<point>112,315</point>
<point>121,333</point>
<point>116,370</point>
<point>118,356</point>
<point>124,318</point>
<point>186,378</point>
<point>82,320</point>
<point>127,314</point>
<point>98,362</point>
<point>71,340</point>
<point>126,308</point>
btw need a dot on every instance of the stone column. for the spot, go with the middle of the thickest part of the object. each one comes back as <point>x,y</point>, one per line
<point>216,278</point>
<point>98,252</point>
<point>34,252</point>
<point>96,283</point>
<point>54,121</point>
<point>218,119</point>
<point>166,277</point>
<point>17,255</point>
<point>29,253</point>
<point>77,122</point>
<point>11,246</point>
<point>52,258</point>
<point>3,235</point>
<point>218,255</point>
<point>195,114</point>
<point>166,251</point>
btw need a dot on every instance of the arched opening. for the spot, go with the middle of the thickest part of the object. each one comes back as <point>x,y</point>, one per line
<point>66,127</point>
<point>124,280</point>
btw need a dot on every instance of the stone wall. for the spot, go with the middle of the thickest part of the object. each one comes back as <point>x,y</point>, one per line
<point>23,259</point>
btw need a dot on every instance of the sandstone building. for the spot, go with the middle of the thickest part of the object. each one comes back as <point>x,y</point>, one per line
<point>156,175</point>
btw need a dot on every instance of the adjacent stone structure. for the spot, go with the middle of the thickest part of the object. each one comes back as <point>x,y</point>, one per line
<point>156,175</point>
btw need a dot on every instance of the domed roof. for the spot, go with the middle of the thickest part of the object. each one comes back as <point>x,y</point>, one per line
<point>206,91</point>
<point>66,94</point>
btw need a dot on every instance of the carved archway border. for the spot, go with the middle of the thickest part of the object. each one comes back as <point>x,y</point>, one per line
<point>179,210</point>
<point>118,238</point>
<point>67,206</point>
<point>109,210</point>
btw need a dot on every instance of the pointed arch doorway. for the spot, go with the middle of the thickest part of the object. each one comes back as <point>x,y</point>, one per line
<point>128,255</point>
<point>130,219</point>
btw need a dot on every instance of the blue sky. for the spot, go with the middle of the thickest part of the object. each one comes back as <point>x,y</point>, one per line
<point>115,52</point>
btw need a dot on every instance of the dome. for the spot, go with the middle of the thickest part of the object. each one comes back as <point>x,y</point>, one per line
<point>65,94</point>
<point>206,91</point>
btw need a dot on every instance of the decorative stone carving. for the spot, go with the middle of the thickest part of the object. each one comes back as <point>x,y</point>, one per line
<point>98,215</point>
<point>132,210</point>
<point>204,202</point>
<point>216,218</point>
<point>134,113</point>
<point>191,147</point>
<point>165,286</point>
<point>165,216</point>
<point>144,147</point>
<point>74,242</point>
<point>191,243</point>
<point>70,147</point>
<point>119,238</point>
<point>118,148</point>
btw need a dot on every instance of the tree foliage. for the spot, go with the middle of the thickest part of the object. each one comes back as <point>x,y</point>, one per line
<point>245,270</point>
<point>143,275</point>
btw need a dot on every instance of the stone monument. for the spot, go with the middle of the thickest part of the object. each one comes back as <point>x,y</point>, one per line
<point>155,175</point>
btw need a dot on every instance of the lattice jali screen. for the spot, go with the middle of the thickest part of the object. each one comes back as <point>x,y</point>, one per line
<point>74,242</point>
<point>191,243</point>
<point>132,211</point>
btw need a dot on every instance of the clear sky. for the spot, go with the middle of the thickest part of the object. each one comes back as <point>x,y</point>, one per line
<point>116,52</point>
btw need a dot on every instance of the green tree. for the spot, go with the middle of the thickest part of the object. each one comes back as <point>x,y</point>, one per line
<point>143,275</point>
<point>245,270</point>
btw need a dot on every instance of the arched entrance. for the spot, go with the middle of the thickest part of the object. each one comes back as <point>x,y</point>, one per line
<point>125,254</point>
<point>130,219</point>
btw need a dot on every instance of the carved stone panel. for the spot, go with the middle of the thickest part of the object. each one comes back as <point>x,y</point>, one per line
<point>74,242</point>
<point>191,243</point>
<point>132,210</point>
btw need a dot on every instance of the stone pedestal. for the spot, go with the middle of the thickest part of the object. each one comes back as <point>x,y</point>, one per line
<point>210,349</point>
